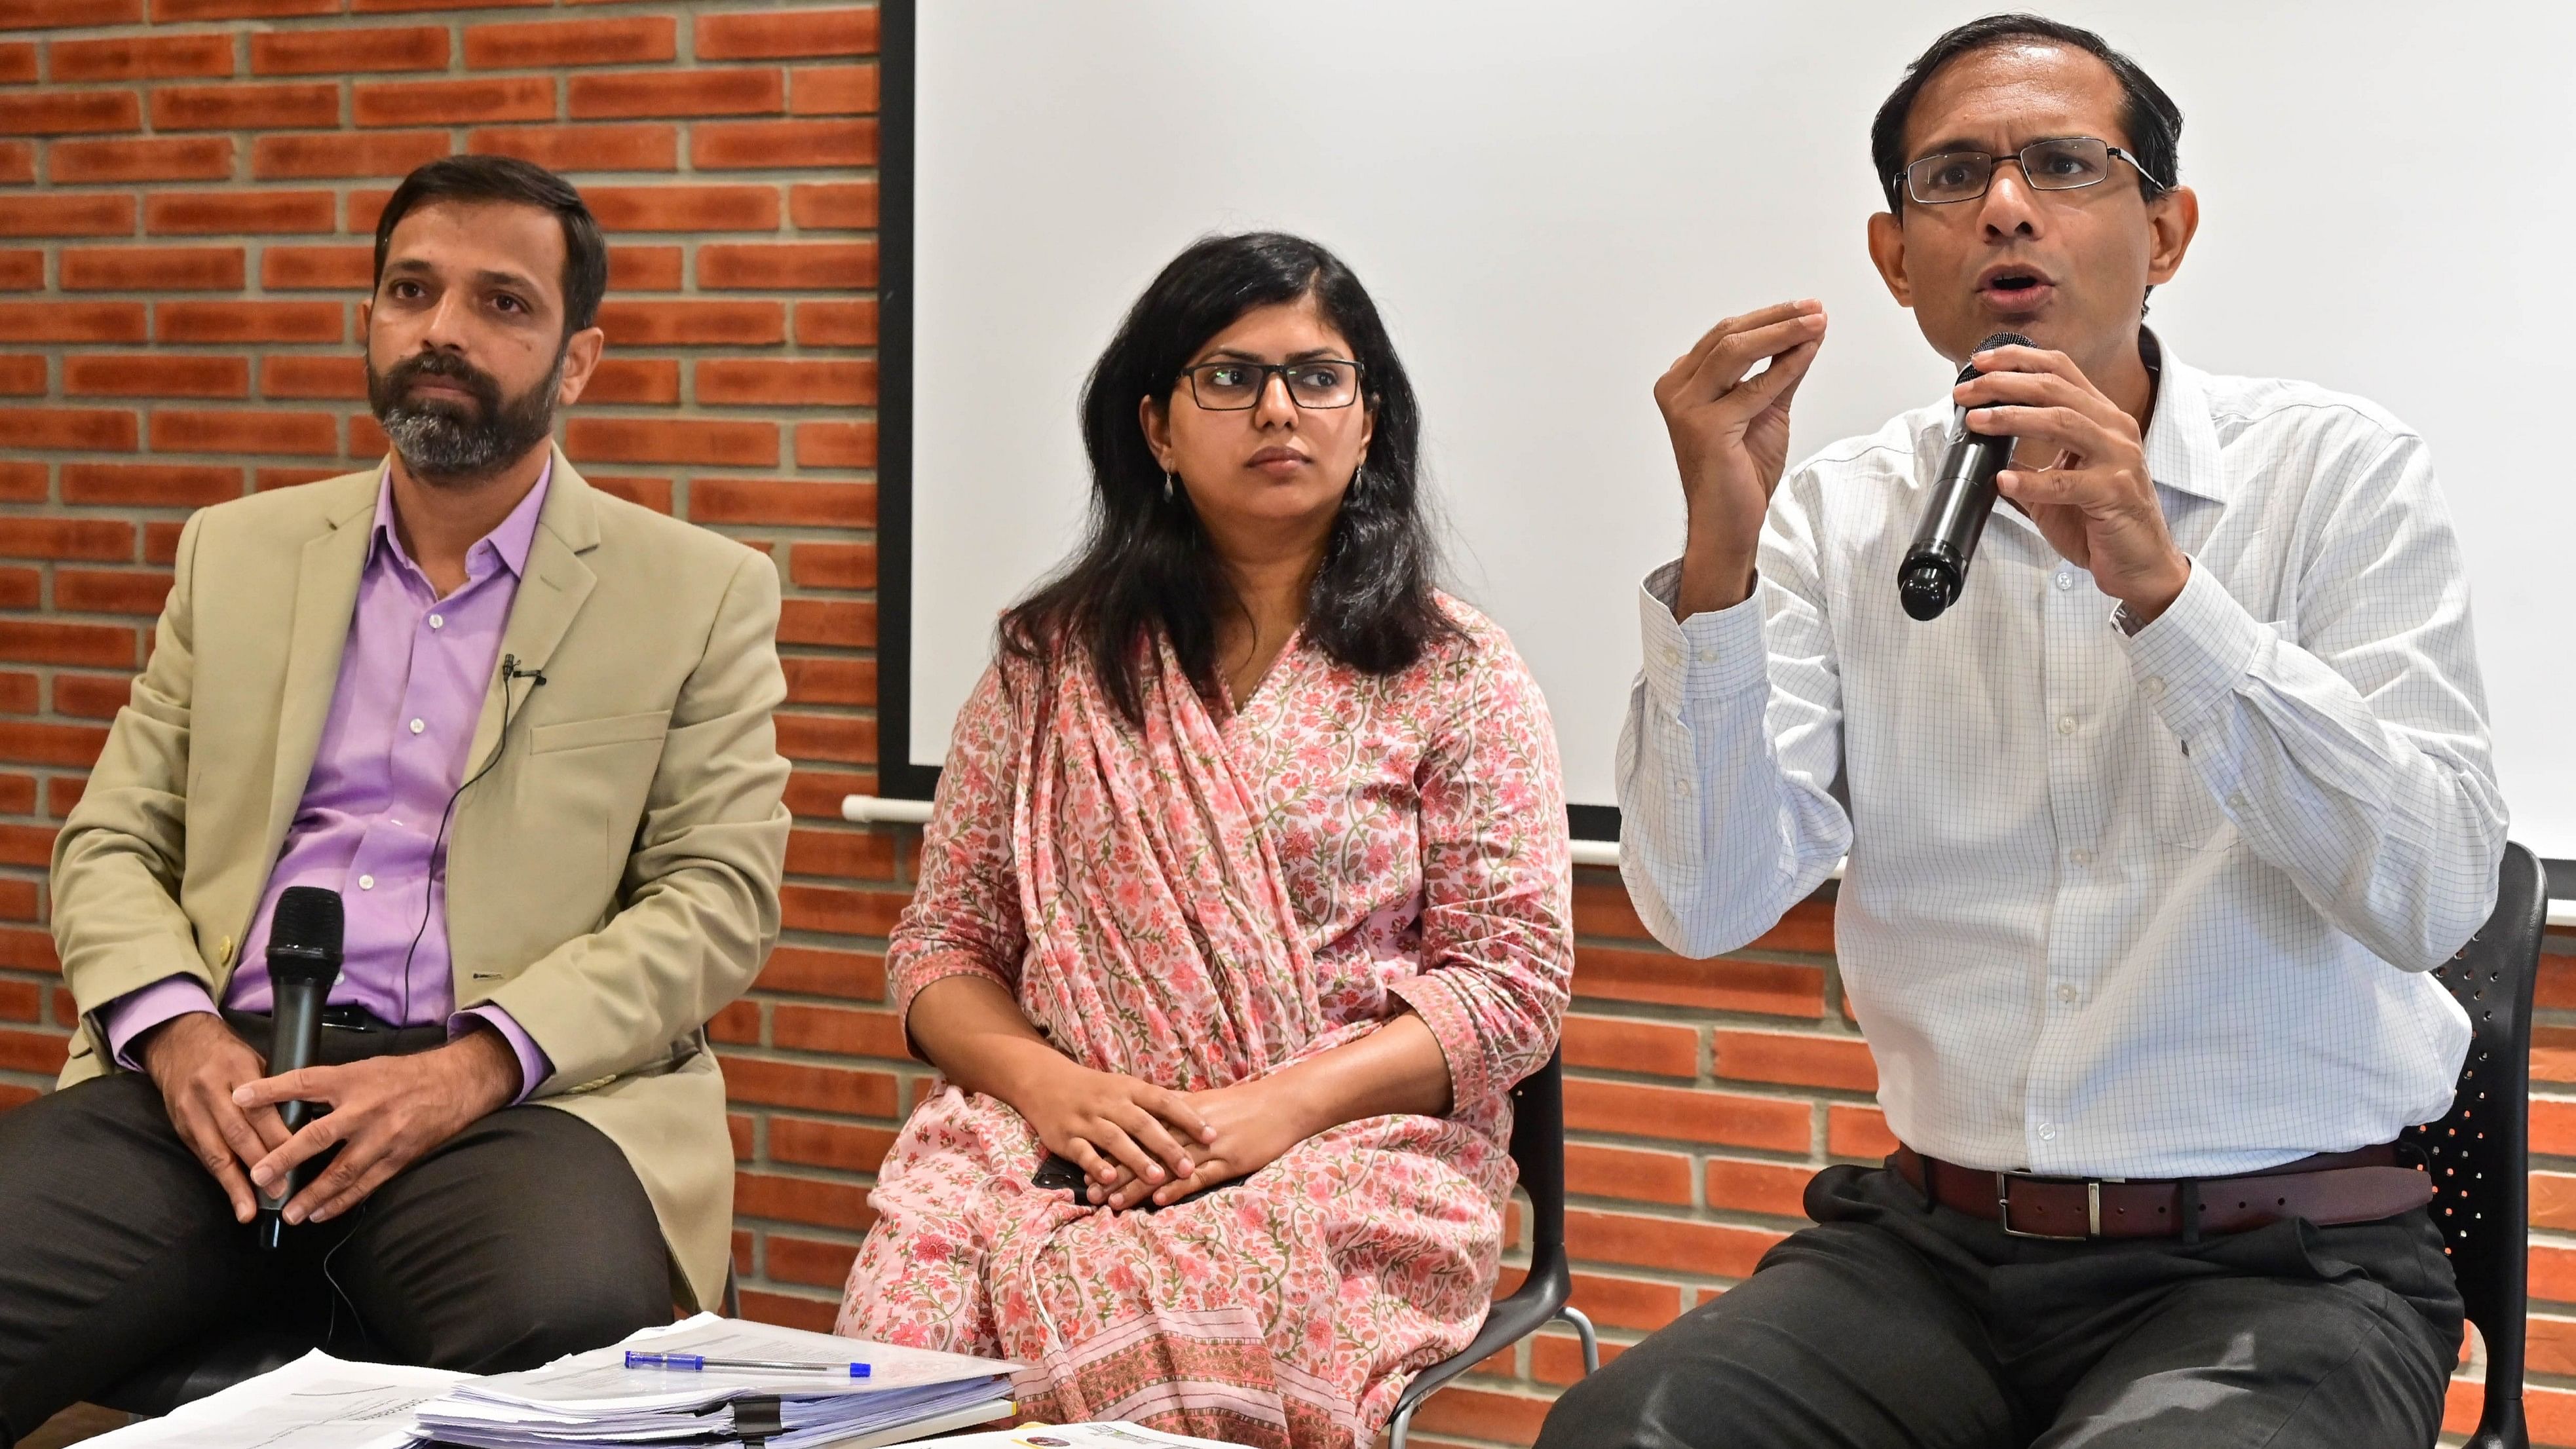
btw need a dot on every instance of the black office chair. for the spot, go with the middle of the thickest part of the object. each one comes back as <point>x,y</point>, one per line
<point>1538,1148</point>
<point>222,1359</point>
<point>2479,1154</point>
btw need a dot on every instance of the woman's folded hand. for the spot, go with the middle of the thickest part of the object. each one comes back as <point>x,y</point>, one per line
<point>1250,1126</point>
<point>1117,1128</point>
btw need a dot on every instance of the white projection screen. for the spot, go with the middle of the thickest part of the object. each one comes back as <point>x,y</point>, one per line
<point>1550,201</point>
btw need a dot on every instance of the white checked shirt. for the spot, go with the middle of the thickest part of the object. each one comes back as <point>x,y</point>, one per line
<point>2150,906</point>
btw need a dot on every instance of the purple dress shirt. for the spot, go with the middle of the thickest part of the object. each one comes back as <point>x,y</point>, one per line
<point>413,677</point>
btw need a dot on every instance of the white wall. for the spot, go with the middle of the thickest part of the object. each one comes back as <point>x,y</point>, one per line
<point>1551,201</point>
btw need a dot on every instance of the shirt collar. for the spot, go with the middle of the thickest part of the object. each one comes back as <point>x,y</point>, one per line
<point>507,544</point>
<point>2182,441</point>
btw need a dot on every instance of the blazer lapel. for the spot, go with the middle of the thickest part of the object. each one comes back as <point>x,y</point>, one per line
<point>326,596</point>
<point>552,592</point>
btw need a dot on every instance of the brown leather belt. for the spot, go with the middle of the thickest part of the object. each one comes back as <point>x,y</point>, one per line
<point>2329,1189</point>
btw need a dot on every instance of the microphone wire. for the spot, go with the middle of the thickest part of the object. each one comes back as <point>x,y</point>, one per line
<point>500,745</point>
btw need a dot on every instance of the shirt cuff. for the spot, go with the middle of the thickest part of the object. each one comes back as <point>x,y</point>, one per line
<point>145,1007</point>
<point>534,1065</point>
<point>1708,656</point>
<point>2190,660</point>
<point>1453,1026</point>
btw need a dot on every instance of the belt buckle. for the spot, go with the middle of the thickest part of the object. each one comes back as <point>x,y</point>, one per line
<point>2092,1212</point>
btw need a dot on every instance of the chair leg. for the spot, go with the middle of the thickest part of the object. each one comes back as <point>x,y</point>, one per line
<point>1583,1330</point>
<point>1402,1425</point>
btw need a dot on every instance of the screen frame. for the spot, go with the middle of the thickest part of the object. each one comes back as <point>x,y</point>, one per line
<point>897,776</point>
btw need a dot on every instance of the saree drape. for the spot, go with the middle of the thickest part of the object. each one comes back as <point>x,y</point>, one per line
<point>1196,903</point>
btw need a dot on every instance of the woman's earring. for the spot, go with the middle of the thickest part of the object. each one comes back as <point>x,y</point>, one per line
<point>1171,485</point>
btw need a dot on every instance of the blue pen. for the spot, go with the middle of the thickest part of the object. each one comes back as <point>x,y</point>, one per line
<point>637,1359</point>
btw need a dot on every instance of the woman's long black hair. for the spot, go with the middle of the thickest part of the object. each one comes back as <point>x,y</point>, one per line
<point>1146,570</point>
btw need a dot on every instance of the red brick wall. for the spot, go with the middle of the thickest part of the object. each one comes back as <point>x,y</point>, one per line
<point>187,193</point>
<point>186,189</point>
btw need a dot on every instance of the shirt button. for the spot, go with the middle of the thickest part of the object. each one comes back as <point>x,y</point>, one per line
<point>2236,801</point>
<point>2065,580</point>
<point>1672,655</point>
<point>1708,656</point>
<point>2066,724</point>
<point>417,726</point>
<point>2154,685</point>
<point>2047,1131</point>
<point>366,882</point>
<point>438,621</point>
<point>2081,856</point>
<point>2066,994</point>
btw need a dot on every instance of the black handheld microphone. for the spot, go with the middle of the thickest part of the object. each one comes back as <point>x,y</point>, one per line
<point>1954,518</point>
<point>303,960</point>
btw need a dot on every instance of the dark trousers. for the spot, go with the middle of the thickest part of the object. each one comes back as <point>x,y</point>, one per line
<point>1892,1327</point>
<point>525,1237</point>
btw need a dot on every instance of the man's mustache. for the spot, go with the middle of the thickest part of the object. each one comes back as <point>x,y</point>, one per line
<point>447,366</point>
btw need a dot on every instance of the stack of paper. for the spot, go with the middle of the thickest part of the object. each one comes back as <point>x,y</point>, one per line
<point>594,1401</point>
<point>316,1402</point>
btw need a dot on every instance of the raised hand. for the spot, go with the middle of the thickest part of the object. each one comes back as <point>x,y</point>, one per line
<point>1730,436</point>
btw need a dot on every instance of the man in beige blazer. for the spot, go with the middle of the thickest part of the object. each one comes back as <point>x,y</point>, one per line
<point>523,728</point>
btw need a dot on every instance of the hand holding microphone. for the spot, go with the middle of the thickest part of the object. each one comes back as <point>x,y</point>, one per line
<point>2095,504</point>
<point>304,941</point>
<point>1954,516</point>
<point>198,1062</point>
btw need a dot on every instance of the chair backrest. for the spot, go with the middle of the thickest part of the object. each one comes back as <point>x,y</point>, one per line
<point>2478,1154</point>
<point>1538,1149</point>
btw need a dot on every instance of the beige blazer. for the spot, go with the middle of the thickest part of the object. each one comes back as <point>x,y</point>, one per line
<point>613,882</point>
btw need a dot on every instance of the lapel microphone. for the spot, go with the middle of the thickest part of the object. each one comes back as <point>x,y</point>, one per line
<point>510,670</point>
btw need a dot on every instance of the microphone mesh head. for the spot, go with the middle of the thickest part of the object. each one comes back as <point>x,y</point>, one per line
<point>1993,341</point>
<point>309,921</point>
<point>1926,589</point>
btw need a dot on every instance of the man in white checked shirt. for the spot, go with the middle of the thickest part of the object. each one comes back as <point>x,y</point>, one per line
<point>2152,837</point>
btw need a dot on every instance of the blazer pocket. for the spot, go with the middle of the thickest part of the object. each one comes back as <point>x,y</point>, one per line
<point>615,729</point>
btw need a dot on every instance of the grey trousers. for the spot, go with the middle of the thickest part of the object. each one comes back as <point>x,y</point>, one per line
<point>1890,1326</point>
<point>525,1237</point>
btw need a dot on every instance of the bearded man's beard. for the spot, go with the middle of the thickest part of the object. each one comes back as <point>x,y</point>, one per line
<point>447,440</point>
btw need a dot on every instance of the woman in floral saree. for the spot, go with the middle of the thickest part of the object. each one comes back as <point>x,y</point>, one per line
<point>1245,895</point>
